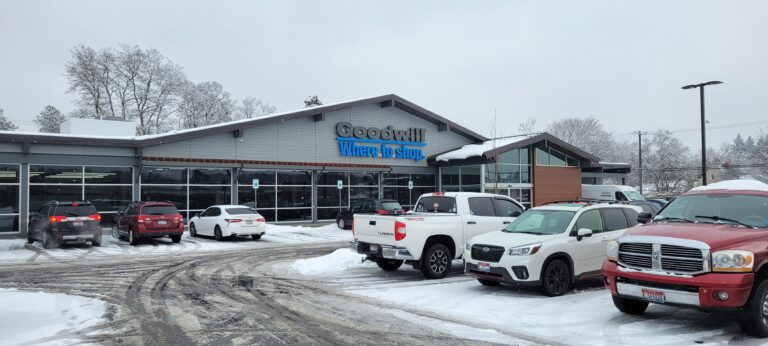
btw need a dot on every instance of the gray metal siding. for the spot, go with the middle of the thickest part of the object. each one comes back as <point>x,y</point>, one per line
<point>10,147</point>
<point>258,143</point>
<point>171,149</point>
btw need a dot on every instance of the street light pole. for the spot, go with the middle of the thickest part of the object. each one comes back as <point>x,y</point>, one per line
<point>703,132</point>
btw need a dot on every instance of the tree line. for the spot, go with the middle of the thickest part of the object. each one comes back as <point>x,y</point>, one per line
<point>669,166</point>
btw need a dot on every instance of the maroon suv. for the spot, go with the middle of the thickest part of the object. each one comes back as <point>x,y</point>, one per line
<point>149,220</point>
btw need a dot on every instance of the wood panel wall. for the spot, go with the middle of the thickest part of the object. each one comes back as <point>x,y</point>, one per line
<point>552,183</point>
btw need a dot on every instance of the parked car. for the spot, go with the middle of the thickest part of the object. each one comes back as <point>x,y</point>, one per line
<point>550,246</point>
<point>610,193</point>
<point>660,202</point>
<point>61,222</point>
<point>149,220</point>
<point>221,221</point>
<point>707,249</point>
<point>368,206</point>
<point>647,206</point>
<point>434,234</point>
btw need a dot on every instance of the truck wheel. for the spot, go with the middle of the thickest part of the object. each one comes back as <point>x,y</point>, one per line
<point>629,306</point>
<point>388,265</point>
<point>488,282</point>
<point>132,239</point>
<point>436,262</point>
<point>48,243</point>
<point>176,238</point>
<point>753,317</point>
<point>340,223</point>
<point>557,278</point>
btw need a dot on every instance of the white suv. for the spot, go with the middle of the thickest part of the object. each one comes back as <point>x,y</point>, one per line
<point>549,246</point>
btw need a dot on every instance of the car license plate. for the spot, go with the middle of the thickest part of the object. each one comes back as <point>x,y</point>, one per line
<point>654,296</point>
<point>249,222</point>
<point>161,222</point>
<point>77,223</point>
<point>484,267</point>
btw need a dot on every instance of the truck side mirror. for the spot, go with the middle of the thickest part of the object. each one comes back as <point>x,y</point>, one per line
<point>644,217</point>
<point>583,232</point>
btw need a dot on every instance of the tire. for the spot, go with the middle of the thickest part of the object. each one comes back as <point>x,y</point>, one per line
<point>48,243</point>
<point>192,230</point>
<point>630,306</point>
<point>388,265</point>
<point>217,233</point>
<point>176,238</point>
<point>340,223</point>
<point>557,278</point>
<point>132,239</point>
<point>96,241</point>
<point>116,233</point>
<point>488,282</point>
<point>30,239</point>
<point>255,236</point>
<point>753,317</point>
<point>436,262</point>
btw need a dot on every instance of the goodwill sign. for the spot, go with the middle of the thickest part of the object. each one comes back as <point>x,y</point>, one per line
<point>386,143</point>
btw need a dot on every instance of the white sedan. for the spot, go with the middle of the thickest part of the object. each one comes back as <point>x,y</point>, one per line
<point>222,221</point>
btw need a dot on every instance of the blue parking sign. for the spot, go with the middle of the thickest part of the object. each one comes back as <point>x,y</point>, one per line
<point>255,184</point>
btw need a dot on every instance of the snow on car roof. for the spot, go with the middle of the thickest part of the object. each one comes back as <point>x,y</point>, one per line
<point>751,185</point>
<point>471,150</point>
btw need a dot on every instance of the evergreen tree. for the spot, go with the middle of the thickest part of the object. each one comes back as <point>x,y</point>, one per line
<point>312,101</point>
<point>5,123</point>
<point>50,120</point>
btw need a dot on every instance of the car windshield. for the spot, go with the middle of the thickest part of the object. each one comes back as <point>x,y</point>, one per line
<point>159,210</point>
<point>747,210</point>
<point>634,195</point>
<point>75,210</point>
<point>541,222</point>
<point>240,211</point>
<point>436,204</point>
<point>391,206</point>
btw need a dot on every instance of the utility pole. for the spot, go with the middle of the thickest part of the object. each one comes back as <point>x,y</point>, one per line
<point>640,158</point>
<point>703,130</point>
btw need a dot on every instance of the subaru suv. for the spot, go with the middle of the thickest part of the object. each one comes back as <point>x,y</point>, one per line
<point>549,246</point>
<point>149,220</point>
<point>60,222</point>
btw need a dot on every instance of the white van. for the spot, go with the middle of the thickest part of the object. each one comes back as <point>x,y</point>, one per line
<point>610,193</point>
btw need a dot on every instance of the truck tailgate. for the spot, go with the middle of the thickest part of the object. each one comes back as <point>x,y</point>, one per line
<point>375,229</point>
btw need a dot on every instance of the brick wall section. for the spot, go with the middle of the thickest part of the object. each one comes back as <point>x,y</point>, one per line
<point>556,184</point>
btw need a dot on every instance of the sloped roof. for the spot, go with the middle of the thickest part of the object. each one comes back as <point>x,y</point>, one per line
<point>140,141</point>
<point>490,148</point>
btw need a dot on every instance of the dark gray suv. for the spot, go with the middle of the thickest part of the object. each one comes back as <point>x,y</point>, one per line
<point>59,222</point>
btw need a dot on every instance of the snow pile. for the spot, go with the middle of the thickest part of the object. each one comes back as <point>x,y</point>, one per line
<point>753,185</point>
<point>338,261</point>
<point>471,150</point>
<point>31,317</point>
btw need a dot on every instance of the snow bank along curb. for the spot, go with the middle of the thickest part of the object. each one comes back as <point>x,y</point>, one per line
<point>335,262</point>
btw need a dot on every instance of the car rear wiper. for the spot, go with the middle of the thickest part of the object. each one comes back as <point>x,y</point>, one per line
<point>71,214</point>
<point>673,218</point>
<point>718,218</point>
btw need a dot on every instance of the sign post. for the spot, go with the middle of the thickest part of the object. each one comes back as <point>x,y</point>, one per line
<point>339,186</point>
<point>410,191</point>
<point>255,193</point>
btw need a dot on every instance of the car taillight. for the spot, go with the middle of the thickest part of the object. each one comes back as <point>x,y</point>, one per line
<point>399,230</point>
<point>261,219</point>
<point>179,218</point>
<point>143,219</point>
<point>233,220</point>
<point>382,212</point>
<point>95,217</point>
<point>55,219</point>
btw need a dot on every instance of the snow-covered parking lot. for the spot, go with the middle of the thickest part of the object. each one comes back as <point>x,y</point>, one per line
<point>17,250</point>
<point>584,317</point>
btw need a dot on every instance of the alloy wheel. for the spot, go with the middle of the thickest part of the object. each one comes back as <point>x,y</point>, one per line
<point>438,262</point>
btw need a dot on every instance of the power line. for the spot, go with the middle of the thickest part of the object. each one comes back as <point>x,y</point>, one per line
<point>730,126</point>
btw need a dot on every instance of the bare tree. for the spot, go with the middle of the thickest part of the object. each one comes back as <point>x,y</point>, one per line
<point>5,123</point>
<point>312,101</point>
<point>205,104</point>
<point>667,162</point>
<point>589,135</point>
<point>528,126</point>
<point>251,107</point>
<point>85,78</point>
<point>50,119</point>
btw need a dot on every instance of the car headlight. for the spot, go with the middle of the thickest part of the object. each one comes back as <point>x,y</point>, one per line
<point>732,261</point>
<point>613,250</point>
<point>524,250</point>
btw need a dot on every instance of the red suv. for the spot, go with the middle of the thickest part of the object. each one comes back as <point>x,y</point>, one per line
<point>149,220</point>
<point>707,249</point>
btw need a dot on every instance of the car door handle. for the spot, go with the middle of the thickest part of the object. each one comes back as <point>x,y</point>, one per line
<point>507,222</point>
<point>471,223</point>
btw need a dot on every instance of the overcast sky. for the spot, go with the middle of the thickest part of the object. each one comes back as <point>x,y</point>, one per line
<point>623,62</point>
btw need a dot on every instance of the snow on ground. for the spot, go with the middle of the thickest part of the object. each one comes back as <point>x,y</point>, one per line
<point>335,262</point>
<point>16,250</point>
<point>584,317</point>
<point>33,317</point>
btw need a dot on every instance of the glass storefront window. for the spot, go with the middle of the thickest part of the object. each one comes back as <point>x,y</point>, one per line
<point>175,194</point>
<point>330,178</point>
<point>159,175</point>
<point>210,176</point>
<point>294,178</point>
<point>423,179</point>
<point>9,174</point>
<point>363,178</point>
<point>556,158</point>
<point>268,214</point>
<point>470,177</point>
<point>294,214</point>
<point>360,193</point>
<point>508,174</point>
<point>332,197</point>
<point>246,177</point>
<point>9,223</point>
<point>327,213</point>
<point>510,157</point>
<point>266,196</point>
<point>524,157</point>
<point>294,196</point>
<point>542,157</point>
<point>201,197</point>
<point>40,194</point>
<point>56,174</point>
<point>9,199</point>
<point>108,175</point>
<point>109,198</point>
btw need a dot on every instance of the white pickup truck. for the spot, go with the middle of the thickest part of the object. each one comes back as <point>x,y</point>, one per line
<point>434,233</point>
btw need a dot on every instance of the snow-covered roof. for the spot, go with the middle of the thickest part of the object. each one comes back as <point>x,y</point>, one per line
<point>752,185</point>
<point>471,150</point>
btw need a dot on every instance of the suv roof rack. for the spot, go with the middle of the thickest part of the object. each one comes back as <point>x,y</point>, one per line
<point>585,202</point>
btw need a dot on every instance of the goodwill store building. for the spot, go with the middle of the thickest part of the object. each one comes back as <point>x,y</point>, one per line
<point>308,164</point>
